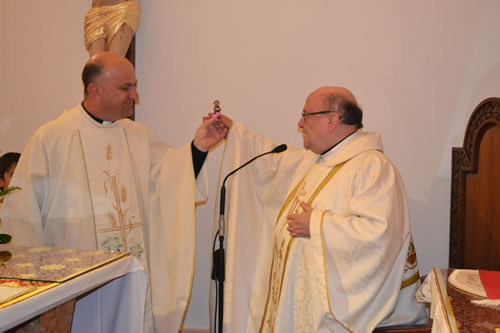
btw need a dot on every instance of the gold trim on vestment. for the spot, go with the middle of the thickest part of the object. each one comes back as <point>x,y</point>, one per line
<point>181,326</point>
<point>411,280</point>
<point>287,202</point>
<point>290,197</point>
<point>118,196</point>
<point>326,275</point>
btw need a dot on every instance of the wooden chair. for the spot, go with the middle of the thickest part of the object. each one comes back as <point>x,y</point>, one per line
<point>475,192</point>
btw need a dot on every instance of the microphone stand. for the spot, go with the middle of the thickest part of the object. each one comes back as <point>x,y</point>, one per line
<point>219,269</point>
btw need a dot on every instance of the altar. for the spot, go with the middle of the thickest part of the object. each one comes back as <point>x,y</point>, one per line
<point>462,302</point>
<point>101,291</point>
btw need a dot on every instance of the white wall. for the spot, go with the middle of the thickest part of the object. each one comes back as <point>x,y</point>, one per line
<point>418,68</point>
<point>41,60</point>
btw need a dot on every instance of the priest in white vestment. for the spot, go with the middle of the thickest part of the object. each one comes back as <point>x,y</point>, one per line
<point>318,239</point>
<point>93,179</point>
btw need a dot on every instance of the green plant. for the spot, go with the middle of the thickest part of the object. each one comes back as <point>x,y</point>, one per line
<point>5,238</point>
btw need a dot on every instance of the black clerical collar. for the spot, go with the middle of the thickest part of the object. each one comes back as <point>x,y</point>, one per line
<point>326,151</point>
<point>100,121</point>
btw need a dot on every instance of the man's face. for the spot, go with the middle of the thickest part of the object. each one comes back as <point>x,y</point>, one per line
<point>118,91</point>
<point>314,127</point>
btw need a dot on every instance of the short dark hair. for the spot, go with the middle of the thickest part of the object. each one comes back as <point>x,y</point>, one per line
<point>351,113</point>
<point>7,161</point>
<point>90,73</point>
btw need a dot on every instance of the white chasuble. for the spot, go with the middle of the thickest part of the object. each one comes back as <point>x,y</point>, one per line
<point>113,192</point>
<point>87,185</point>
<point>351,274</point>
<point>294,307</point>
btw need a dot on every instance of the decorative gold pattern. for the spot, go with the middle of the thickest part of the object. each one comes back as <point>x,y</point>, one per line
<point>113,193</point>
<point>73,259</point>
<point>411,261</point>
<point>19,288</point>
<point>282,237</point>
<point>53,267</point>
<point>31,276</point>
<point>411,280</point>
<point>411,264</point>
<point>123,223</point>
<point>27,261</point>
<point>272,290</point>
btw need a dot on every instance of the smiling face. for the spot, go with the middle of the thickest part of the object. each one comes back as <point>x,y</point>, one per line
<point>117,88</point>
<point>110,86</point>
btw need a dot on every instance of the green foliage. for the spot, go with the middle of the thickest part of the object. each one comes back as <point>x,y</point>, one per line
<point>137,251</point>
<point>5,238</point>
<point>112,244</point>
<point>8,190</point>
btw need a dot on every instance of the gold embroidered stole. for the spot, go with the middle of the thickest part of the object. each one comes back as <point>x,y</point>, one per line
<point>411,274</point>
<point>310,185</point>
<point>113,192</point>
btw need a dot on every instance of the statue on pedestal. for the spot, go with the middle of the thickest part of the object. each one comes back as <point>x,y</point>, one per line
<point>110,25</point>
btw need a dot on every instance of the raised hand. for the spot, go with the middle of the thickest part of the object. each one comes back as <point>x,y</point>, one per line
<point>209,134</point>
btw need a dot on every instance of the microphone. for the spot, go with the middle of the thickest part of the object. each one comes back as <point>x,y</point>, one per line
<point>278,149</point>
<point>218,259</point>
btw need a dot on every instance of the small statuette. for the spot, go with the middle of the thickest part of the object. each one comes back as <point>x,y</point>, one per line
<point>217,107</point>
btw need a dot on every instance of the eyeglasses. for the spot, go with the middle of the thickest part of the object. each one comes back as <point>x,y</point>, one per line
<point>307,114</point>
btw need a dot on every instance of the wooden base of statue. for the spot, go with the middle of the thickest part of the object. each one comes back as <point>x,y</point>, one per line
<point>131,57</point>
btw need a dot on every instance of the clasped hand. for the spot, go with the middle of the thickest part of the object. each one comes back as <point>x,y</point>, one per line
<point>298,224</point>
<point>210,133</point>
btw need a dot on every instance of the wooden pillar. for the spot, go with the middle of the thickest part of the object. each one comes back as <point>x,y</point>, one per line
<point>131,56</point>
